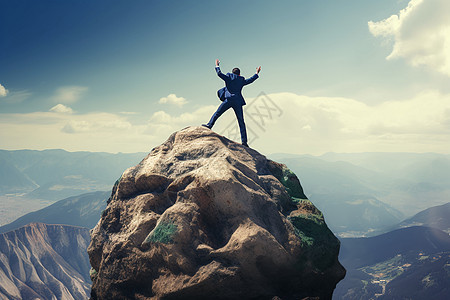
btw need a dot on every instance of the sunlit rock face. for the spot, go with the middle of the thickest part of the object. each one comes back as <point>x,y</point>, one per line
<point>202,217</point>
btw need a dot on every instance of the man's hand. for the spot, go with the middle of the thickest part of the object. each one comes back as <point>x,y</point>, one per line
<point>217,62</point>
<point>258,69</point>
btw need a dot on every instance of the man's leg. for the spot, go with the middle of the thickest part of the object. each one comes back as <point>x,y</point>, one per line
<point>240,117</point>
<point>222,108</point>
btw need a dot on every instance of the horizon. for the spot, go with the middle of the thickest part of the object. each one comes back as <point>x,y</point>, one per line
<point>274,153</point>
<point>102,77</point>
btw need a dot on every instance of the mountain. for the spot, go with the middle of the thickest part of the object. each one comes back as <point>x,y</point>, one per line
<point>67,186</point>
<point>42,261</point>
<point>355,215</point>
<point>436,217</point>
<point>56,174</point>
<point>357,252</point>
<point>426,277</point>
<point>408,263</point>
<point>12,179</point>
<point>339,177</point>
<point>345,193</point>
<point>416,180</point>
<point>380,189</point>
<point>83,210</point>
<point>202,217</point>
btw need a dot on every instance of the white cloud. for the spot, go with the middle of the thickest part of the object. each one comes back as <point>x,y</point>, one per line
<point>201,114</point>
<point>92,132</point>
<point>312,125</point>
<point>3,91</point>
<point>61,108</point>
<point>97,123</point>
<point>173,99</point>
<point>161,117</point>
<point>69,94</point>
<point>163,124</point>
<point>76,127</point>
<point>323,124</point>
<point>420,32</point>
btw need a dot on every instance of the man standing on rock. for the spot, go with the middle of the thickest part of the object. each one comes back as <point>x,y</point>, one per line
<point>232,97</point>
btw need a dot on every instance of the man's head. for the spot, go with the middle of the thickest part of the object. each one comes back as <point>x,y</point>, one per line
<point>236,71</point>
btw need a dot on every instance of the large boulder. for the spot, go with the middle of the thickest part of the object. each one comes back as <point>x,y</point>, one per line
<point>202,217</point>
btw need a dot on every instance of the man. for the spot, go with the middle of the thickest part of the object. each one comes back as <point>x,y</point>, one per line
<point>232,95</point>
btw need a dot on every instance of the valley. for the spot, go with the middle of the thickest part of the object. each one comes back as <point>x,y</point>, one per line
<point>14,206</point>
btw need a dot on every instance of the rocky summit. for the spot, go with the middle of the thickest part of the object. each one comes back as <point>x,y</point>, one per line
<point>202,217</point>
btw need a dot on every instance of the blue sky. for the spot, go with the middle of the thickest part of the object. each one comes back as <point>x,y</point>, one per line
<point>107,64</point>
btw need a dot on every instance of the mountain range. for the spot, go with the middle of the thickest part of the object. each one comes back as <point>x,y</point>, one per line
<point>31,179</point>
<point>407,263</point>
<point>436,217</point>
<point>362,194</point>
<point>56,174</point>
<point>378,190</point>
<point>82,210</point>
<point>40,261</point>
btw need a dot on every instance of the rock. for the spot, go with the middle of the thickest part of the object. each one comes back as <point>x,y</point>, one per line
<point>42,261</point>
<point>202,217</point>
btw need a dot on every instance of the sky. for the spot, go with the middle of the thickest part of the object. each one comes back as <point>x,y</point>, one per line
<point>121,76</point>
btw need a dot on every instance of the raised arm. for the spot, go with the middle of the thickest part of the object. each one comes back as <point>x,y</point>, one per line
<point>219,73</point>
<point>254,77</point>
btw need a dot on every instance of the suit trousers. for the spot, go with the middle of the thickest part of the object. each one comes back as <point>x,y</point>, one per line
<point>237,107</point>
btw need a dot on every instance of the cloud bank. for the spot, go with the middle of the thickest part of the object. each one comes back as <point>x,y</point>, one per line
<point>173,99</point>
<point>420,34</point>
<point>313,125</point>
<point>316,125</point>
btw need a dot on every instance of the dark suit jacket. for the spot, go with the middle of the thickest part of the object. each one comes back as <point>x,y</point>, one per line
<point>221,93</point>
<point>234,84</point>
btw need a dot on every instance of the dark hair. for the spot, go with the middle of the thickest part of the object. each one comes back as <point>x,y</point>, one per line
<point>236,71</point>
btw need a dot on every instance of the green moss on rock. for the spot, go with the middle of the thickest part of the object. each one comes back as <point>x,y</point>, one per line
<point>163,233</point>
<point>309,227</point>
<point>321,244</point>
<point>92,273</point>
<point>288,179</point>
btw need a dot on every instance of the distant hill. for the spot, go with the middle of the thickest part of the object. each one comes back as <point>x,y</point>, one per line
<point>363,193</point>
<point>41,261</point>
<point>416,181</point>
<point>345,193</point>
<point>426,278</point>
<point>355,215</point>
<point>12,180</point>
<point>436,217</point>
<point>83,210</point>
<point>408,263</point>
<point>359,193</point>
<point>55,174</point>
<point>357,252</point>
